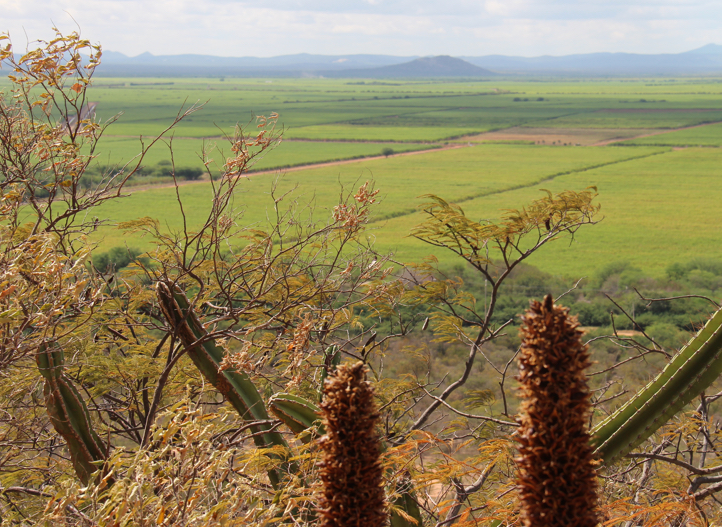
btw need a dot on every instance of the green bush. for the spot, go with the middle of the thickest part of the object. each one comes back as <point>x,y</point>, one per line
<point>189,174</point>
<point>117,258</point>
<point>592,313</point>
<point>668,336</point>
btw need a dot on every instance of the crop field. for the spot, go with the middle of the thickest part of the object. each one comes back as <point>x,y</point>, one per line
<point>468,173</point>
<point>557,136</point>
<point>189,152</point>
<point>710,135</point>
<point>657,210</point>
<point>510,139</point>
<point>402,111</point>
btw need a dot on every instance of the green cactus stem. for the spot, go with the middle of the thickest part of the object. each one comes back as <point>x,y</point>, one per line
<point>406,502</point>
<point>686,376</point>
<point>298,414</point>
<point>235,386</point>
<point>69,414</point>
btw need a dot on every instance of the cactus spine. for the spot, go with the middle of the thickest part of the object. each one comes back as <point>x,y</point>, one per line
<point>686,376</point>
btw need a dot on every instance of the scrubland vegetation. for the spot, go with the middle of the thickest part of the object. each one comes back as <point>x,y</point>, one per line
<point>167,350</point>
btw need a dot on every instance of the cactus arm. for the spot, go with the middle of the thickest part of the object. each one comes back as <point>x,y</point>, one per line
<point>686,376</point>
<point>408,504</point>
<point>298,414</point>
<point>235,386</point>
<point>332,358</point>
<point>69,414</point>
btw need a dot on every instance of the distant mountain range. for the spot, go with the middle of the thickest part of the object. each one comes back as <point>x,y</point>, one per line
<point>702,61</point>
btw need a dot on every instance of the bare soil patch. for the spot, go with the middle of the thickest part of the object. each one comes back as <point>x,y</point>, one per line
<point>620,332</point>
<point>650,133</point>
<point>557,136</point>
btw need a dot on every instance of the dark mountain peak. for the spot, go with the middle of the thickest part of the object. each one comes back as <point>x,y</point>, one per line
<point>441,66</point>
<point>438,66</point>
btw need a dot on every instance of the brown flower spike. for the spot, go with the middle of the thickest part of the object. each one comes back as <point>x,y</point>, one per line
<point>556,475</point>
<point>351,473</point>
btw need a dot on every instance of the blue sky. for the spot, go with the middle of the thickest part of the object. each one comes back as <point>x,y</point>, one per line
<point>394,27</point>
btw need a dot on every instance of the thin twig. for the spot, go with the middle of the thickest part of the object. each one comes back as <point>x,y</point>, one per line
<point>652,300</point>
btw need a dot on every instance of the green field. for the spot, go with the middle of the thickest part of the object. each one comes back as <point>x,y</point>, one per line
<point>710,135</point>
<point>403,111</point>
<point>657,201</point>
<point>461,175</point>
<point>657,210</point>
<point>188,152</point>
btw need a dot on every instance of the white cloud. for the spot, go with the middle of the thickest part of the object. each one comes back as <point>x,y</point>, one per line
<point>400,27</point>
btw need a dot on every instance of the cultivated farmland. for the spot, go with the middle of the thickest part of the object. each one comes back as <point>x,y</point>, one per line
<point>513,139</point>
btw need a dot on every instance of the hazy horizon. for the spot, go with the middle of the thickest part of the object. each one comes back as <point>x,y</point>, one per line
<point>224,28</point>
<point>364,53</point>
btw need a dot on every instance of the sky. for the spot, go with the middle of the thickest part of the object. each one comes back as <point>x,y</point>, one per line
<point>390,27</point>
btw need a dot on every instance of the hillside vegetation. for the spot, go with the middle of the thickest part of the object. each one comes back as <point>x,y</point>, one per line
<point>191,343</point>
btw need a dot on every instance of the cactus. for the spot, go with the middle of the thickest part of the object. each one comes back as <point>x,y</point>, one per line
<point>298,414</point>
<point>331,360</point>
<point>69,415</point>
<point>295,412</point>
<point>302,416</point>
<point>407,503</point>
<point>235,386</point>
<point>686,376</point>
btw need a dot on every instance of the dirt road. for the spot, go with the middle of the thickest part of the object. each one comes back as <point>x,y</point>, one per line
<point>141,188</point>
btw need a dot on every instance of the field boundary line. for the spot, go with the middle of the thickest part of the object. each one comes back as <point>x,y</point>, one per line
<point>661,132</point>
<point>298,139</point>
<point>544,179</point>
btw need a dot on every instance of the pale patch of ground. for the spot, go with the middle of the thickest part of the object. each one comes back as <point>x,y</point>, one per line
<point>620,332</point>
<point>557,136</point>
<point>628,333</point>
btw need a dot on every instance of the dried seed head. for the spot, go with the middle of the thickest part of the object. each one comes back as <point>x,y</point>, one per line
<point>351,475</point>
<point>556,475</point>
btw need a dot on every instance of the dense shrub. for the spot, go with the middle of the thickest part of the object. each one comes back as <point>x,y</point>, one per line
<point>115,259</point>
